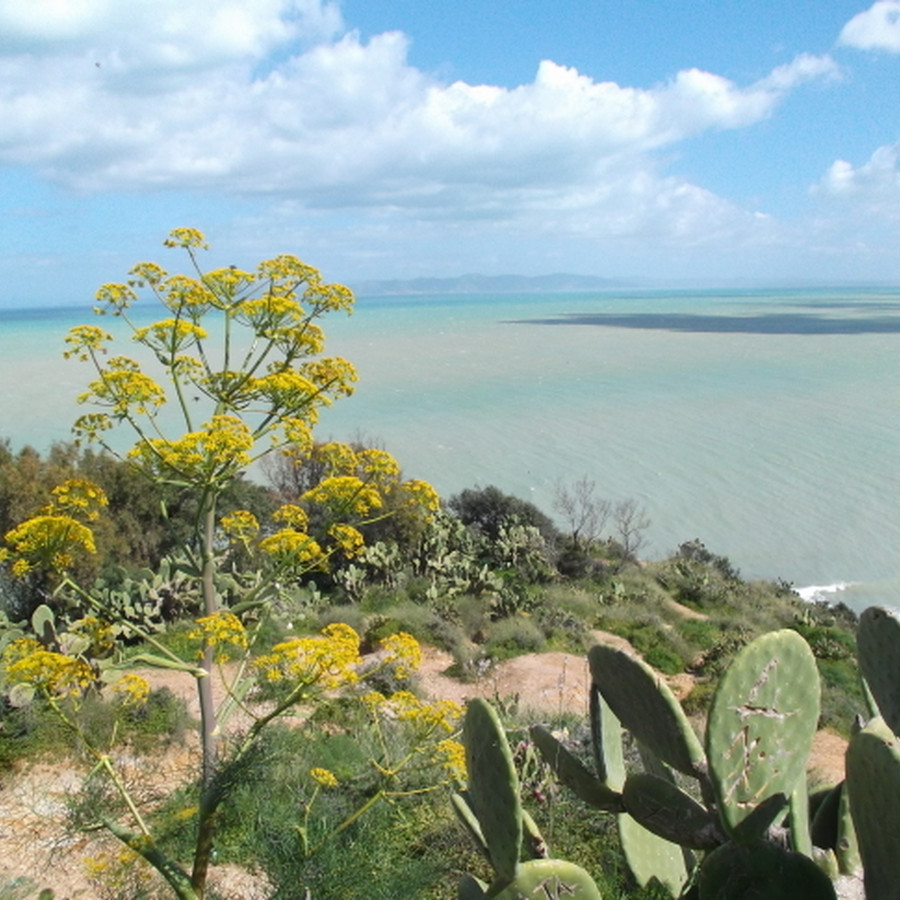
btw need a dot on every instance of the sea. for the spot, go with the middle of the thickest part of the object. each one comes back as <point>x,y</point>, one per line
<point>765,423</point>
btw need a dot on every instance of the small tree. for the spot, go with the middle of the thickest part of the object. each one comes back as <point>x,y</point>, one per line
<point>631,521</point>
<point>584,513</point>
<point>222,404</point>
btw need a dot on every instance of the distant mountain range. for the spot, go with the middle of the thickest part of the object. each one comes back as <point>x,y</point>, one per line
<point>493,284</point>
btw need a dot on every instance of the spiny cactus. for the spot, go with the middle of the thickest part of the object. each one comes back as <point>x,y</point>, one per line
<point>758,737</point>
<point>878,649</point>
<point>873,785</point>
<point>491,811</point>
<point>761,871</point>
<point>761,727</point>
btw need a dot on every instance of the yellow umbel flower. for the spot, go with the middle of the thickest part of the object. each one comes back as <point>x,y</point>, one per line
<point>328,661</point>
<point>51,542</point>
<point>221,630</point>
<point>133,689</point>
<point>403,652</point>
<point>52,673</point>
<point>349,539</point>
<point>452,756</point>
<point>325,777</point>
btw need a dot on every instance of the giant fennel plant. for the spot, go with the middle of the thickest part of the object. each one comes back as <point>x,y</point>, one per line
<point>239,374</point>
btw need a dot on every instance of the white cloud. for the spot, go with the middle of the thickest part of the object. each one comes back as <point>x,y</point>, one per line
<point>872,190</point>
<point>878,28</point>
<point>274,97</point>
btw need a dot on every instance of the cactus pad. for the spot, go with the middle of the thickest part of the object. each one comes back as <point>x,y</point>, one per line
<point>878,646</point>
<point>493,786</point>
<point>549,879</point>
<point>606,737</point>
<point>573,774</point>
<point>761,725</point>
<point>873,786</point>
<point>762,871</point>
<point>669,812</point>
<point>650,856</point>
<point>643,703</point>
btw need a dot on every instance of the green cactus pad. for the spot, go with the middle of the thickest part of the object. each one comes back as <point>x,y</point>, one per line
<point>878,646</point>
<point>650,856</point>
<point>824,830</point>
<point>643,703</point>
<point>493,786</point>
<point>466,815</point>
<point>606,738</point>
<point>846,847</point>
<point>762,724</point>
<point>670,813</point>
<point>873,785</point>
<point>573,774</point>
<point>761,871</point>
<point>549,879</point>
<point>470,888</point>
<point>798,816</point>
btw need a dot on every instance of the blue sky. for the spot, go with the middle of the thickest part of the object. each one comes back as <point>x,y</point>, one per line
<point>716,141</point>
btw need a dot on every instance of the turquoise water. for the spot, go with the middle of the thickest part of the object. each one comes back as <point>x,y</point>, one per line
<point>767,424</point>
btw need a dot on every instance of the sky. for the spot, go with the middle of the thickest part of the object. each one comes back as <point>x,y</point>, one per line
<point>714,142</point>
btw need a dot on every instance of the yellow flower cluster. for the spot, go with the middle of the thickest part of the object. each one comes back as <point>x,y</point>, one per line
<point>425,717</point>
<point>133,689</point>
<point>49,542</point>
<point>348,539</point>
<point>402,651</point>
<point>325,777</point>
<point>422,494</point>
<point>221,447</point>
<point>328,661</point>
<point>78,496</point>
<point>186,237</point>
<point>293,551</point>
<point>292,515</point>
<point>124,388</point>
<point>345,495</point>
<point>27,662</point>
<point>222,630</point>
<point>85,341</point>
<point>451,755</point>
<point>240,526</point>
<point>170,335</point>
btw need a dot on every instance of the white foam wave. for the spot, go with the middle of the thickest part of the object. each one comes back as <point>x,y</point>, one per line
<point>821,593</point>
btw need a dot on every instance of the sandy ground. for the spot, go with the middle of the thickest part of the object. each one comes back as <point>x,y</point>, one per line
<point>34,843</point>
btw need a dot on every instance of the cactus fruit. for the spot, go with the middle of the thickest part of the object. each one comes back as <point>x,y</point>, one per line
<point>762,871</point>
<point>878,648</point>
<point>873,786</point>
<point>493,786</point>
<point>644,704</point>
<point>761,725</point>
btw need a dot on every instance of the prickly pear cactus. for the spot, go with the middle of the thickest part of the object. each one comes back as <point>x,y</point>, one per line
<point>606,738</point>
<point>760,730</point>
<point>878,648</point>
<point>873,785</point>
<point>573,774</point>
<point>549,879</point>
<point>762,871</point>
<point>645,706</point>
<point>651,856</point>
<point>669,812</point>
<point>493,786</point>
